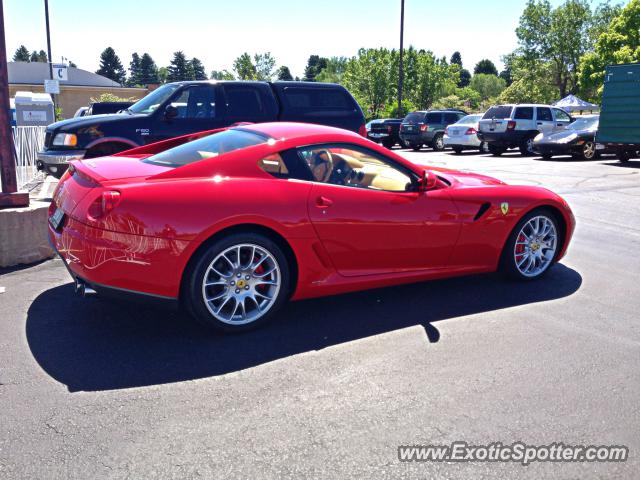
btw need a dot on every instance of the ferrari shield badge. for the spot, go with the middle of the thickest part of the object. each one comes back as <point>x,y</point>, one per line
<point>504,207</point>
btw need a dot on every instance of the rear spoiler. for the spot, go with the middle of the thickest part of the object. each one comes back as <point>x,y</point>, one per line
<point>161,146</point>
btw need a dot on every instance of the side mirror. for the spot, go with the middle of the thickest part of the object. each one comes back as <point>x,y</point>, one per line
<point>170,112</point>
<point>428,181</point>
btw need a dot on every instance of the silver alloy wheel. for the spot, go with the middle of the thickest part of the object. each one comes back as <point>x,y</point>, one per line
<point>484,147</point>
<point>535,246</point>
<point>439,142</point>
<point>241,284</point>
<point>589,150</point>
<point>530,145</point>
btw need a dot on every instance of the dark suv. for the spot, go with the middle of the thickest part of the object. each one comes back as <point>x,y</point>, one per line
<point>427,127</point>
<point>385,131</point>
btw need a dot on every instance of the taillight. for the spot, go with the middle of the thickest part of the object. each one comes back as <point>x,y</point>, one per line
<point>104,204</point>
<point>363,130</point>
<point>511,125</point>
<point>424,127</point>
<point>471,131</point>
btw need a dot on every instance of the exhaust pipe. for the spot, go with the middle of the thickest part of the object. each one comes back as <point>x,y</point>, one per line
<point>83,289</point>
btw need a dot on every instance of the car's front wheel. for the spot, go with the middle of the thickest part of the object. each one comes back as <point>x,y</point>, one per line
<point>238,283</point>
<point>438,143</point>
<point>588,151</point>
<point>532,246</point>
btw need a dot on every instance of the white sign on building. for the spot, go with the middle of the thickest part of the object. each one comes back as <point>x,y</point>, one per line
<point>52,86</point>
<point>60,72</point>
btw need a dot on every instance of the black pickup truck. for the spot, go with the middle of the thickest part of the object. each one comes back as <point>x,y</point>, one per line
<point>386,131</point>
<point>187,107</point>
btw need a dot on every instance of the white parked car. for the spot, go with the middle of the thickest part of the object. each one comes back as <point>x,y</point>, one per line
<point>463,135</point>
<point>515,126</point>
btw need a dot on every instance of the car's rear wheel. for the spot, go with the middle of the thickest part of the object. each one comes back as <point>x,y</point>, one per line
<point>624,156</point>
<point>495,150</point>
<point>484,147</point>
<point>526,147</point>
<point>438,143</point>
<point>388,144</point>
<point>416,147</point>
<point>238,283</point>
<point>532,246</point>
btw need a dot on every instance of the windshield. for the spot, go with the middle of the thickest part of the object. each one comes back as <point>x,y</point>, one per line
<point>207,147</point>
<point>152,101</point>
<point>469,119</point>
<point>585,123</point>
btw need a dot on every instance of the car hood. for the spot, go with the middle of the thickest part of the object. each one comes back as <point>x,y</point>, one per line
<point>557,136</point>
<point>467,179</point>
<point>75,124</point>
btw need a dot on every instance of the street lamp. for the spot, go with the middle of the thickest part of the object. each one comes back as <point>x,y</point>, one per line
<point>401,69</point>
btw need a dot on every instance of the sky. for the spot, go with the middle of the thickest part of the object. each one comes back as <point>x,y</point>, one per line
<point>218,31</point>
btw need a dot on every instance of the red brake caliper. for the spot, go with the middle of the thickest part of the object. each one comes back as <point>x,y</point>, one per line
<point>520,245</point>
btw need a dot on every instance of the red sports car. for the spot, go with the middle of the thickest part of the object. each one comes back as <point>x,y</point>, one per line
<point>232,223</point>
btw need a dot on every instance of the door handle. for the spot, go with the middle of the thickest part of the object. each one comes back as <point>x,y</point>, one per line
<point>539,123</point>
<point>323,202</point>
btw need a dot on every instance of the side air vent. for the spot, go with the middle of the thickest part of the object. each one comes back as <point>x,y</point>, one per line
<point>483,208</point>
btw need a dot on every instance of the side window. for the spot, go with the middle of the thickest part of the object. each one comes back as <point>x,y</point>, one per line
<point>523,113</point>
<point>274,165</point>
<point>196,102</point>
<point>544,114</point>
<point>244,103</point>
<point>561,115</point>
<point>355,167</point>
<point>317,98</point>
<point>450,118</point>
<point>434,118</point>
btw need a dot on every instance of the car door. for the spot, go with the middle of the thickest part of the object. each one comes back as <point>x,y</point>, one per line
<point>544,120</point>
<point>195,109</point>
<point>370,218</point>
<point>248,102</point>
<point>562,119</point>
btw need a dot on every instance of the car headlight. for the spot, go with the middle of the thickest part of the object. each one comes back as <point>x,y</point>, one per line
<point>538,137</point>
<point>568,138</point>
<point>65,140</point>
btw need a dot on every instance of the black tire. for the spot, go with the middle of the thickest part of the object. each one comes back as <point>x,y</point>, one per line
<point>193,287</point>
<point>388,144</point>
<point>416,148</point>
<point>403,144</point>
<point>588,151</point>
<point>495,150</point>
<point>457,150</point>
<point>484,147</point>
<point>624,156</point>
<point>438,142</point>
<point>508,265</point>
<point>526,147</point>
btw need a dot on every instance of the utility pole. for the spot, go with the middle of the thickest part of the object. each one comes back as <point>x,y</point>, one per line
<point>401,72</point>
<point>50,59</point>
<point>8,196</point>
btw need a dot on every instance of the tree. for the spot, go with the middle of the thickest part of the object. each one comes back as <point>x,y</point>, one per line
<point>333,71</point>
<point>284,73</point>
<point>40,56</point>
<point>619,43</point>
<point>111,67</point>
<point>222,75</point>
<point>21,55</point>
<point>315,65</point>
<point>198,69</point>
<point>456,58</point>
<point>163,74</point>
<point>148,70</point>
<point>264,66</point>
<point>465,78</point>
<point>134,71</point>
<point>369,76</point>
<point>506,75</point>
<point>244,67</point>
<point>559,37</point>
<point>488,86</point>
<point>179,68</point>
<point>485,66</point>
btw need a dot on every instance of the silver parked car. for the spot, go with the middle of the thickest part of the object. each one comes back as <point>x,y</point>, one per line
<point>463,135</point>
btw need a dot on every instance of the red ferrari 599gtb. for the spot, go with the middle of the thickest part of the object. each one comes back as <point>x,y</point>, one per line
<point>232,223</point>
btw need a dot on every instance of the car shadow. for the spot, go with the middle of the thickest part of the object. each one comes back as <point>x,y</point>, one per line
<point>97,344</point>
<point>634,163</point>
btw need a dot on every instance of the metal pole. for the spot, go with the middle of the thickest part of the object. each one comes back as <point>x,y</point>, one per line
<point>401,67</point>
<point>50,58</point>
<point>8,195</point>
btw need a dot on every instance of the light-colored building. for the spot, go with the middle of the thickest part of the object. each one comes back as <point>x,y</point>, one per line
<point>75,92</point>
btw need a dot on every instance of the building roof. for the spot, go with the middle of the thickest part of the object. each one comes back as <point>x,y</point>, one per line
<point>35,73</point>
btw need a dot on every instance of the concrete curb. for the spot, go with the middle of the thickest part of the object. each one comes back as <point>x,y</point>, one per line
<point>23,234</point>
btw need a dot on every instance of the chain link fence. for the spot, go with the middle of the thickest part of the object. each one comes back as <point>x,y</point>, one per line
<point>28,142</point>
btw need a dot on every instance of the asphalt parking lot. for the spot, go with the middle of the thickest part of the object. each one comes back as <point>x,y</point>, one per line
<point>116,390</point>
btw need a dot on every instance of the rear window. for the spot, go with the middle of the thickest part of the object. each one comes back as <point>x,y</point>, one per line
<point>524,113</point>
<point>414,117</point>
<point>320,98</point>
<point>501,111</point>
<point>207,147</point>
